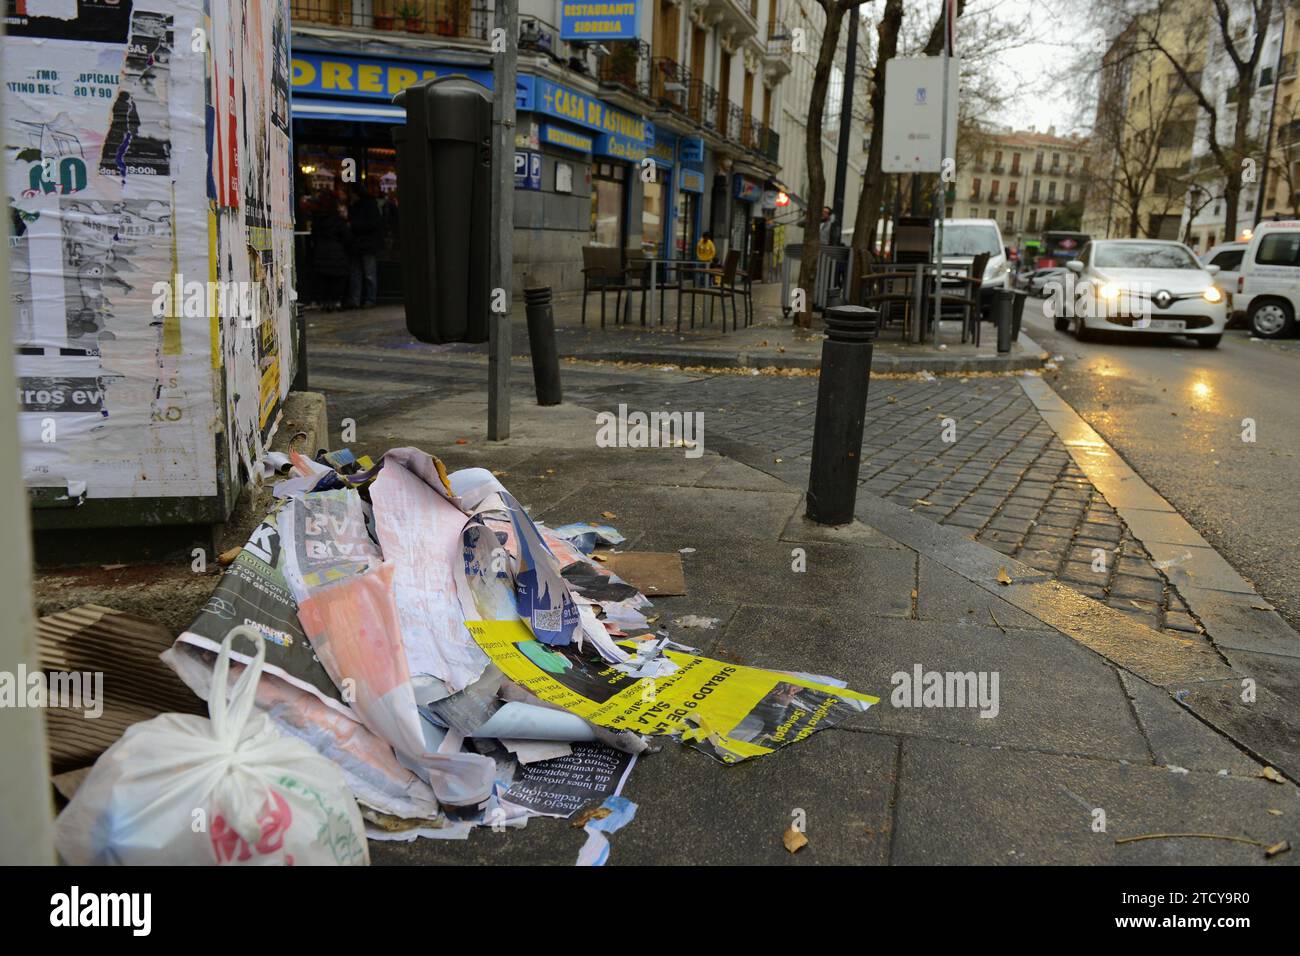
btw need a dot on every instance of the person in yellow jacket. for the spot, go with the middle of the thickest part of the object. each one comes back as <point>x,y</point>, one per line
<point>706,251</point>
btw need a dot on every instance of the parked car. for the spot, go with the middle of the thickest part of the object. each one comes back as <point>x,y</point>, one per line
<point>1268,284</point>
<point>1037,282</point>
<point>1227,256</point>
<point>1145,287</point>
<point>963,240</point>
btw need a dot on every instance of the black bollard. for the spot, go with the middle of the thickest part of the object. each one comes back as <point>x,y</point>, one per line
<point>1018,313</point>
<point>1002,300</point>
<point>841,412</point>
<point>541,343</point>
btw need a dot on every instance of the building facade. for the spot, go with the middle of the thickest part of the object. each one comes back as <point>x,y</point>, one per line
<point>1281,180</point>
<point>803,21</point>
<point>638,144</point>
<point>1023,180</point>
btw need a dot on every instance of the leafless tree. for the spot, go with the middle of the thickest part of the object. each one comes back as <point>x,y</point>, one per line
<point>835,11</point>
<point>1180,32</point>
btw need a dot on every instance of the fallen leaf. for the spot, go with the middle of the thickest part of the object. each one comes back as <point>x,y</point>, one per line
<point>913,594</point>
<point>1268,773</point>
<point>597,556</point>
<point>228,556</point>
<point>609,515</point>
<point>591,813</point>
<point>462,441</point>
<point>1276,813</point>
<point>1003,577</point>
<point>892,399</point>
<point>1276,849</point>
<point>923,501</point>
<point>794,840</point>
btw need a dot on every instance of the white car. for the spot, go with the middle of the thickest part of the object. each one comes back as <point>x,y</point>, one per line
<point>963,240</point>
<point>1143,287</point>
<point>1268,285</point>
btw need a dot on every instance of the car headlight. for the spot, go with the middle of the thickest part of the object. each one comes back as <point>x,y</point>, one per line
<point>1212,294</point>
<point>1109,291</point>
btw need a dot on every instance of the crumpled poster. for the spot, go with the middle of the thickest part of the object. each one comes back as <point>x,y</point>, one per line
<point>740,711</point>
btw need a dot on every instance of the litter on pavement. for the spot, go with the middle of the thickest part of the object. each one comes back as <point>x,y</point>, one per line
<point>453,663</point>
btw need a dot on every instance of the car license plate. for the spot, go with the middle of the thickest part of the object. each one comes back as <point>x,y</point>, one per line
<point>1167,325</point>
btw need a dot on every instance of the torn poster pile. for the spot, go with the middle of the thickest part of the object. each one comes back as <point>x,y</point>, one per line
<point>466,666</point>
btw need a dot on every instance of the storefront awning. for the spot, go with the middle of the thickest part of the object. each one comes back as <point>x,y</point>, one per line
<point>312,107</point>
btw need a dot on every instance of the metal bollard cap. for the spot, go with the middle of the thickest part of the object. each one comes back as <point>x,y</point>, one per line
<point>538,295</point>
<point>852,323</point>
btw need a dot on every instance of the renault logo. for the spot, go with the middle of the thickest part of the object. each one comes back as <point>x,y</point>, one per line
<point>1163,298</point>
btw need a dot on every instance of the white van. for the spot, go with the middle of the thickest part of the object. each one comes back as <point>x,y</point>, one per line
<point>1268,283</point>
<point>963,240</point>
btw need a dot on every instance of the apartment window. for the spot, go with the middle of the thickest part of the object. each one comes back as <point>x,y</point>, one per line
<point>1011,221</point>
<point>1011,190</point>
<point>975,190</point>
<point>1033,220</point>
<point>1056,160</point>
<point>993,214</point>
<point>1051,190</point>
<point>997,160</point>
<point>1069,187</point>
<point>1015,164</point>
<point>996,188</point>
<point>1034,194</point>
<point>1038,161</point>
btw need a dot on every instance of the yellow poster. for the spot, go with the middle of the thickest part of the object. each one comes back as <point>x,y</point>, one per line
<point>742,711</point>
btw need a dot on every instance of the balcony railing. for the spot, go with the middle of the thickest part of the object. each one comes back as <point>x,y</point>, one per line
<point>464,19</point>
<point>702,105</point>
<point>1012,200</point>
<point>735,121</point>
<point>994,197</point>
<point>670,83</point>
<point>769,142</point>
<point>975,194</point>
<point>998,168</point>
<point>627,66</point>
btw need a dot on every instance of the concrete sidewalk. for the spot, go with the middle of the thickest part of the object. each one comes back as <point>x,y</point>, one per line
<point>1075,732</point>
<point>770,342</point>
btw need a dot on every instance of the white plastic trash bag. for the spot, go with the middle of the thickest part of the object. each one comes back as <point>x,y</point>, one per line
<point>180,789</point>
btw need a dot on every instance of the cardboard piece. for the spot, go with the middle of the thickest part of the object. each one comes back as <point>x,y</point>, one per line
<point>653,573</point>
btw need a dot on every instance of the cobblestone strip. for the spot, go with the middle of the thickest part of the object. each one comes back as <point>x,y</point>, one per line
<point>973,453</point>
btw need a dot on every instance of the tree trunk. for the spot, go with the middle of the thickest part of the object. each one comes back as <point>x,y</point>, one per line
<point>1240,139</point>
<point>873,180</point>
<point>816,173</point>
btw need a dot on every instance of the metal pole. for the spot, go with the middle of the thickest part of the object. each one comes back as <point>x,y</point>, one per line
<point>943,187</point>
<point>846,130</point>
<point>1272,121</point>
<point>505,66</point>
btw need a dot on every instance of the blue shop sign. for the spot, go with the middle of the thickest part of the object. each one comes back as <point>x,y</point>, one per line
<point>320,74</point>
<point>595,20</point>
<point>623,135</point>
<point>567,138</point>
<point>692,149</point>
<point>528,169</point>
<point>747,190</point>
<point>664,148</point>
<point>691,180</point>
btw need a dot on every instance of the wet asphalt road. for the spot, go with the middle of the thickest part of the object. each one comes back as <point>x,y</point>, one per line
<point>1175,413</point>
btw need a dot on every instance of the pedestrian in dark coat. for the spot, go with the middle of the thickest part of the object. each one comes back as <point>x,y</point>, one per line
<point>331,251</point>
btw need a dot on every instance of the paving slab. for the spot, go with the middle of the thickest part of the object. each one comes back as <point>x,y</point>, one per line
<point>971,805</point>
<point>1052,694</point>
<point>1177,738</point>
